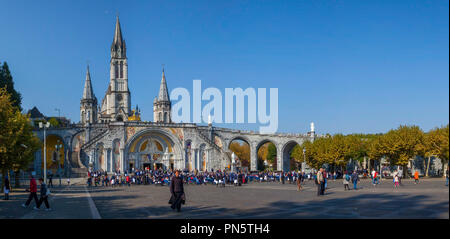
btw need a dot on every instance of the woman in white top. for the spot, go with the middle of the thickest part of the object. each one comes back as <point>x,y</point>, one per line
<point>396,181</point>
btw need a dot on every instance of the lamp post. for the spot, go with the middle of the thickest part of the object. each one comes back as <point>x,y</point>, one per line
<point>233,162</point>
<point>304,159</point>
<point>58,147</point>
<point>45,126</point>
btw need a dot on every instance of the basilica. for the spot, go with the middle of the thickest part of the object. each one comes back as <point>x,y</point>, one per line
<point>112,137</point>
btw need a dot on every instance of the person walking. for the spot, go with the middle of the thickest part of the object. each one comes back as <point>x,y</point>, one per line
<point>50,180</point>
<point>33,191</point>
<point>446,181</point>
<point>320,183</point>
<point>44,196</point>
<point>346,181</point>
<point>396,180</point>
<point>177,192</point>
<point>299,182</point>
<point>416,177</point>
<point>374,178</point>
<point>7,188</point>
<point>355,180</point>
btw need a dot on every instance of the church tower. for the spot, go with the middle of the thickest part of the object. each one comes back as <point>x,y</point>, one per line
<point>162,105</point>
<point>88,103</point>
<point>116,105</point>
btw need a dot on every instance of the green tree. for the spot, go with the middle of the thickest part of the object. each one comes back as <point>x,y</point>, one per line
<point>17,140</point>
<point>400,145</point>
<point>6,80</point>
<point>272,155</point>
<point>54,122</point>
<point>435,144</point>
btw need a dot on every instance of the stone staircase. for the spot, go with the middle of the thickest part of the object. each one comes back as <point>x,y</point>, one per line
<point>94,139</point>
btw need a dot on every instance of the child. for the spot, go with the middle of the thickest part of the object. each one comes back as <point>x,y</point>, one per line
<point>396,181</point>
<point>416,177</point>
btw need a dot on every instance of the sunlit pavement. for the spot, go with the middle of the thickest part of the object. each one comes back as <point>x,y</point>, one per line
<point>429,199</point>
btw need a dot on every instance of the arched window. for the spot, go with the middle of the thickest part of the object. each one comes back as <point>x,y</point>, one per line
<point>160,117</point>
<point>116,70</point>
<point>121,69</point>
<point>165,117</point>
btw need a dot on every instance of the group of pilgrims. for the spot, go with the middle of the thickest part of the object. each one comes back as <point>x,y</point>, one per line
<point>218,178</point>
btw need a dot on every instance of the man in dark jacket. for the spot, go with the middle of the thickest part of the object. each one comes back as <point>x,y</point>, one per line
<point>7,188</point>
<point>177,191</point>
<point>44,195</point>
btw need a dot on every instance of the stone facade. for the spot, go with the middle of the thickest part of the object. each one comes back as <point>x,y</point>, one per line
<point>112,138</point>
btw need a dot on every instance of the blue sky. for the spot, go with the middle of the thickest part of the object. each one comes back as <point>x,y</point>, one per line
<point>348,66</point>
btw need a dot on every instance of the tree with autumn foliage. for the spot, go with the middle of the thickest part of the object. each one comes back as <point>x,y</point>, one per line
<point>435,144</point>
<point>17,140</point>
<point>242,151</point>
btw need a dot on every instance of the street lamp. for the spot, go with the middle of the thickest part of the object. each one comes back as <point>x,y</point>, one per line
<point>45,126</point>
<point>58,147</point>
<point>233,162</point>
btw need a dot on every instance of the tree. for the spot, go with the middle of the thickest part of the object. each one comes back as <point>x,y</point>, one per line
<point>435,144</point>
<point>297,155</point>
<point>54,122</point>
<point>400,145</point>
<point>272,155</point>
<point>242,151</point>
<point>6,80</point>
<point>17,140</point>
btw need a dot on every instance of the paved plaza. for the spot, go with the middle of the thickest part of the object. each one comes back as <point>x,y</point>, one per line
<point>429,199</point>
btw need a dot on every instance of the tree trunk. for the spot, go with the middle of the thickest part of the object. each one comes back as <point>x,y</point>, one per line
<point>428,166</point>
<point>445,167</point>
<point>424,164</point>
<point>17,179</point>
<point>3,180</point>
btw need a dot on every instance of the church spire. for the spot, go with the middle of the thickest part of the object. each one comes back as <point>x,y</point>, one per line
<point>163,92</point>
<point>88,93</point>
<point>118,48</point>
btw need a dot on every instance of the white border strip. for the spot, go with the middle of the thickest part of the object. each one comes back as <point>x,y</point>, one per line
<point>94,212</point>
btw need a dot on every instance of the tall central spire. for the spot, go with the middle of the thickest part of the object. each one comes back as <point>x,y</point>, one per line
<point>118,48</point>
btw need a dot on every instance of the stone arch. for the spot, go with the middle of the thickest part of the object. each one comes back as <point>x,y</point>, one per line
<point>276,165</point>
<point>55,156</point>
<point>244,161</point>
<point>241,137</point>
<point>164,137</point>
<point>286,151</point>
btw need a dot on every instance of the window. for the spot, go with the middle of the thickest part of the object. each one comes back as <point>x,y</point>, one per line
<point>116,70</point>
<point>121,69</point>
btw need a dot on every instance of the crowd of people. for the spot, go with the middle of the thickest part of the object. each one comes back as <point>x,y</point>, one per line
<point>176,179</point>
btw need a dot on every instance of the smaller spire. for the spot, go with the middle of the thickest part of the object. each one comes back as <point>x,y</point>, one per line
<point>163,92</point>
<point>88,93</point>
